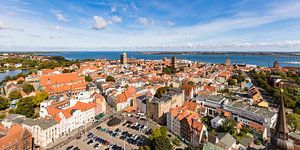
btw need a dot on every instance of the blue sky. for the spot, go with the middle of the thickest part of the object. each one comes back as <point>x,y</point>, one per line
<point>150,25</point>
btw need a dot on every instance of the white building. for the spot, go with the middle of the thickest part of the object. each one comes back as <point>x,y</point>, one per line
<point>217,121</point>
<point>57,120</point>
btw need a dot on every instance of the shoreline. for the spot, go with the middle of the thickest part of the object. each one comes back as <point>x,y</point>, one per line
<point>295,54</point>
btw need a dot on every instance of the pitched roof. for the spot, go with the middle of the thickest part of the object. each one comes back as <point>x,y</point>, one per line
<point>67,113</point>
<point>60,78</point>
<point>191,105</point>
<point>226,140</point>
<point>12,135</point>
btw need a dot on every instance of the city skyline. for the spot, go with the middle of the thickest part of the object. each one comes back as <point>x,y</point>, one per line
<point>150,25</point>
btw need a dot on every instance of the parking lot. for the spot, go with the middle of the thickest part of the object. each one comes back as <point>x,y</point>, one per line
<point>131,133</point>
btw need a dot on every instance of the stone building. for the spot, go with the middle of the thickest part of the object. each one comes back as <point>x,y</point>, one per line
<point>157,108</point>
<point>123,58</point>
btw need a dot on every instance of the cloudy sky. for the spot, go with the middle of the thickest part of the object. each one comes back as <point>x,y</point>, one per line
<point>257,25</point>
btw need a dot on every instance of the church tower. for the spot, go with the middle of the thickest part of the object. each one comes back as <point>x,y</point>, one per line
<point>173,63</point>
<point>280,138</point>
<point>123,58</point>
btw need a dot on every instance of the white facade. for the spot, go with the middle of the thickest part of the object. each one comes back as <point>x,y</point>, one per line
<point>173,124</point>
<point>217,121</point>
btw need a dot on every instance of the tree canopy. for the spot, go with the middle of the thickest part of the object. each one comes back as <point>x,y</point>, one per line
<point>4,103</point>
<point>15,95</point>
<point>228,125</point>
<point>25,107</point>
<point>88,78</point>
<point>28,88</point>
<point>39,97</point>
<point>160,91</point>
<point>159,140</point>
<point>231,81</point>
<point>110,79</point>
<point>293,121</point>
<point>291,94</point>
<point>168,70</point>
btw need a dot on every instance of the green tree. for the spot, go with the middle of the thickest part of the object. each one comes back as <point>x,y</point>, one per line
<point>191,82</point>
<point>28,88</point>
<point>231,81</point>
<point>145,148</point>
<point>176,141</point>
<point>228,125</point>
<point>159,140</point>
<point>4,103</point>
<point>15,95</point>
<point>25,107</point>
<point>168,70</point>
<point>160,91</point>
<point>20,82</point>
<point>39,97</point>
<point>88,78</point>
<point>161,143</point>
<point>110,79</point>
<point>2,116</point>
<point>293,121</point>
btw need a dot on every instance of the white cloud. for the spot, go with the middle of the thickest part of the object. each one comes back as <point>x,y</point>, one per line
<point>56,28</point>
<point>143,21</point>
<point>99,23</point>
<point>170,23</point>
<point>115,19</point>
<point>113,8</point>
<point>2,26</point>
<point>59,16</point>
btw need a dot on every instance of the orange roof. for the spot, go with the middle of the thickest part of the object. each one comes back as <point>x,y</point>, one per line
<point>209,88</point>
<point>129,92</point>
<point>190,105</point>
<point>188,88</point>
<point>60,78</point>
<point>257,126</point>
<point>224,74</point>
<point>240,125</point>
<point>62,88</point>
<point>12,135</point>
<point>197,125</point>
<point>54,111</point>
<point>227,114</point>
<point>130,109</point>
<point>121,98</point>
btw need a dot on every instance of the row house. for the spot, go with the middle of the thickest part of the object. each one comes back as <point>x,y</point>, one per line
<point>57,119</point>
<point>185,122</point>
<point>15,137</point>
<point>66,83</point>
<point>122,100</point>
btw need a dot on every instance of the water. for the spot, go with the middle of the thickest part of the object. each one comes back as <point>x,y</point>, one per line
<point>260,60</point>
<point>11,73</point>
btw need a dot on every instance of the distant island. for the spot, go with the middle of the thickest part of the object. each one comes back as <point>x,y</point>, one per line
<point>220,53</point>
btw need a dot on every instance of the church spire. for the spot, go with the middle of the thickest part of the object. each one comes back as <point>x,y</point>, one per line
<point>281,127</point>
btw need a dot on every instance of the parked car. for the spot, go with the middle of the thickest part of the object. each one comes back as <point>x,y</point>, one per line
<point>97,146</point>
<point>98,128</point>
<point>90,142</point>
<point>69,147</point>
<point>76,148</point>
